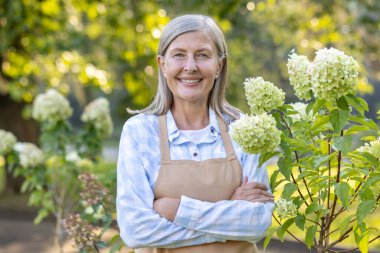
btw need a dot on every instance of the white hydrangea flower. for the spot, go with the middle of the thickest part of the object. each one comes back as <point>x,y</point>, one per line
<point>256,133</point>
<point>262,96</point>
<point>29,154</point>
<point>285,209</point>
<point>301,115</point>
<point>333,74</point>
<point>72,156</point>
<point>98,113</point>
<point>8,140</point>
<point>51,107</point>
<point>299,75</point>
<point>373,148</point>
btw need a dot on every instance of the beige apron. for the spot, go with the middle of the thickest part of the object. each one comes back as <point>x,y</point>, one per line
<point>209,180</point>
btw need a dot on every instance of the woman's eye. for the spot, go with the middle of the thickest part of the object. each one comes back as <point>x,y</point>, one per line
<point>202,56</point>
<point>179,55</point>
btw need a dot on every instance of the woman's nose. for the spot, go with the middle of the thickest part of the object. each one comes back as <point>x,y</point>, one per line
<point>190,64</point>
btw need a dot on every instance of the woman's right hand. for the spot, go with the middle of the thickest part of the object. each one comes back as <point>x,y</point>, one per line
<point>253,192</point>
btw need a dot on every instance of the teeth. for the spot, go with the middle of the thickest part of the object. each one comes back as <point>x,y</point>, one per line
<point>190,81</point>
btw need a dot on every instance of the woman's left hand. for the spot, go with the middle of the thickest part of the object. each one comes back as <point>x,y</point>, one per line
<point>166,207</point>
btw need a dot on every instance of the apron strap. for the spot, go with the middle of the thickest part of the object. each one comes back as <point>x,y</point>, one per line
<point>230,152</point>
<point>164,143</point>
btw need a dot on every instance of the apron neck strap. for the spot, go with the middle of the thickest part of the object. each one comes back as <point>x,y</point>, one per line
<point>225,137</point>
<point>164,142</point>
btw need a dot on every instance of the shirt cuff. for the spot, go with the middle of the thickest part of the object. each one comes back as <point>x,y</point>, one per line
<point>188,212</point>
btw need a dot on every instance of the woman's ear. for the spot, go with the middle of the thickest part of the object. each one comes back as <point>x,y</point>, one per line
<point>221,62</point>
<point>161,63</point>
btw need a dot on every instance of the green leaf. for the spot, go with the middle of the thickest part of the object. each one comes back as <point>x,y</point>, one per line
<point>319,160</point>
<point>273,180</point>
<point>309,107</point>
<point>363,244</point>
<point>300,221</point>
<point>42,214</point>
<point>269,235</point>
<point>310,235</point>
<point>352,100</point>
<point>313,207</point>
<point>318,105</point>
<point>342,190</point>
<point>285,167</point>
<point>343,143</point>
<point>266,156</point>
<point>101,244</point>
<point>361,237</point>
<point>338,119</point>
<point>363,121</point>
<point>368,138</point>
<point>289,189</point>
<point>366,194</point>
<point>284,227</point>
<point>356,129</point>
<point>343,226</point>
<point>342,103</point>
<point>364,209</point>
<point>371,181</point>
<point>319,122</point>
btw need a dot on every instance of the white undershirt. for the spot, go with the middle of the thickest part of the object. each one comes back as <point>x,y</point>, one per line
<point>196,136</point>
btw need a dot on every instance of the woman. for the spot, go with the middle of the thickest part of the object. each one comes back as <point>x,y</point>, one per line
<point>182,183</point>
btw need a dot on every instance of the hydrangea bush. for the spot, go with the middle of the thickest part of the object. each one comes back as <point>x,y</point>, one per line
<point>51,173</point>
<point>328,153</point>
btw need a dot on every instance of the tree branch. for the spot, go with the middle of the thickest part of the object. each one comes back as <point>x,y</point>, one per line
<point>279,223</point>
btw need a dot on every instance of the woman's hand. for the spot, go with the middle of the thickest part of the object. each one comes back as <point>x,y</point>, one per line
<point>166,207</point>
<point>253,192</point>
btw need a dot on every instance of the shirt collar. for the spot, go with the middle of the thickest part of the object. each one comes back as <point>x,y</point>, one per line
<point>174,133</point>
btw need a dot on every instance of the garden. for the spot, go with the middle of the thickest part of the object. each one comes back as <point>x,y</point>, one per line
<point>306,74</point>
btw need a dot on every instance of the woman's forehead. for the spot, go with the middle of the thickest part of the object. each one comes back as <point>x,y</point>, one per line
<point>200,40</point>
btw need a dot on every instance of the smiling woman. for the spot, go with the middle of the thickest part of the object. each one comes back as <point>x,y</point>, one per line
<point>183,184</point>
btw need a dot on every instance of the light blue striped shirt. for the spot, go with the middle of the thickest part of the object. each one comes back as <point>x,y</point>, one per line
<point>196,222</point>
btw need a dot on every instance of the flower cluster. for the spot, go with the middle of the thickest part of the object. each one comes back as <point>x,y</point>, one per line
<point>285,209</point>
<point>98,113</point>
<point>301,115</point>
<point>256,134</point>
<point>262,96</point>
<point>8,140</point>
<point>29,154</point>
<point>51,107</point>
<point>333,74</point>
<point>373,148</point>
<point>83,233</point>
<point>82,163</point>
<point>299,76</point>
<point>93,191</point>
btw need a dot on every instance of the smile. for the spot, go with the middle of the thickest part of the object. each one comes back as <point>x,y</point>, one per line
<point>189,81</point>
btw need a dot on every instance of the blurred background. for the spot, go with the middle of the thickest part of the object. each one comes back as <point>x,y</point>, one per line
<point>107,48</point>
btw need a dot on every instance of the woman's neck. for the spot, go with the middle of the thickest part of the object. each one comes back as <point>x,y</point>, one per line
<point>190,117</point>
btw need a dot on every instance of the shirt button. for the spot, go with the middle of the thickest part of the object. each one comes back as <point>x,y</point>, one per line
<point>195,154</point>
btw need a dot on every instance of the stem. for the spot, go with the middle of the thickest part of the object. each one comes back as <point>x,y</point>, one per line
<point>337,180</point>
<point>329,165</point>
<point>299,168</point>
<point>341,238</point>
<point>279,223</point>
<point>356,193</point>
<point>349,250</point>
<point>299,191</point>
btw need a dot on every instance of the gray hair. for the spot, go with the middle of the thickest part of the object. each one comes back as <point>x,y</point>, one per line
<point>217,101</point>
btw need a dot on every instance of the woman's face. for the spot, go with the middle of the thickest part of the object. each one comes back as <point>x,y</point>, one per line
<point>190,66</point>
